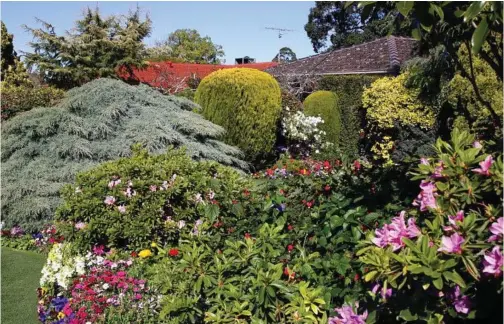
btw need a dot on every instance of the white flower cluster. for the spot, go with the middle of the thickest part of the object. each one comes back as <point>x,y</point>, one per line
<point>61,266</point>
<point>303,130</point>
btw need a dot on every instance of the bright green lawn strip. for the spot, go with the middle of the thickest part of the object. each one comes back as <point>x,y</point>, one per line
<point>20,279</point>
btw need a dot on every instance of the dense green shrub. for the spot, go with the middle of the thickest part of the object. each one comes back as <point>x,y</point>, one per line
<point>187,93</point>
<point>247,103</point>
<point>151,195</point>
<point>348,90</point>
<point>46,147</point>
<point>325,104</point>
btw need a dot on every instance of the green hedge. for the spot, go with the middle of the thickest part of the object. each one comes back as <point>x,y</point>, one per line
<point>348,90</point>
<point>247,103</point>
<point>325,105</point>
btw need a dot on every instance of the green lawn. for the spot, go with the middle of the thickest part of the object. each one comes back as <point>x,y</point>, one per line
<point>20,279</point>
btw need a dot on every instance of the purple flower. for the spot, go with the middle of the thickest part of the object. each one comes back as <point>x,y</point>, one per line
<point>384,293</point>
<point>393,233</point>
<point>477,144</point>
<point>80,225</point>
<point>16,231</point>
<point>426,198</point>
<point>493,262</point>
<point>485,166</point>
<point>459,217</point>
<point>438,171</point>
<point>452,244</point>
<point>424,161</point>
<point>109,200</point>
<point>346,315</point>
<point>497,230</point>
<point>461,302</point>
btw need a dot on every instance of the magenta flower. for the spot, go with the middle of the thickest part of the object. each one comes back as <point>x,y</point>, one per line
<point>477,144</point>
<point>459,217</point>
<point>452,244</point>
<point>461,302</point>
<point>109,200</point>
<point>485,166</point>
<point>98,249</point>
<point>346,315</point>
<point>493,262</point>
<point>438,171</point>
<point>384,294</point>
<point>497,229</point>
<point>393,233</point>
<point>426,198</point>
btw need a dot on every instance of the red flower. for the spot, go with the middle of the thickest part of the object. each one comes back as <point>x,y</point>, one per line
<point>219,251</point>
<point>338,163</point>
<point>215,202</point>
<point>270,172</point>
<point>282,192</point>
<point>290,227</point>
<point>357,277</point>
<point>327,164</point>
<point>290,247</point>
<point>286,271</point>
<point>357,165</point>
<point>246,192</point>
<point>134,254</point>
<point>327,188</point>
<point>234,202</point>
<point>173,252</point>
<point>309,204</point>
<point>304,172</point>
<point>247,236</point>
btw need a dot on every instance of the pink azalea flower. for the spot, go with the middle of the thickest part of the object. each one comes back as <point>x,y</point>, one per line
<point>109,200</point>
<point>384,294</point>
<point>497,229</point>
<point>452,244</point>
<point>438,171</point>
<point>424,161</point>
<point>493,262</point>
<point>114,183</point>
<point>153,188</point>
<point>477,144</point>
<point>346,315</point>
<point>426,198</point>
<point>122,209</point>
<point>459,217</point>
<point>485,166</point>
<point>393,233</point>
<point>461,302</point>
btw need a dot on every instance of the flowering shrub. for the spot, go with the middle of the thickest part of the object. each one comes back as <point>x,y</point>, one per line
<point>41,241</point>
<point>302,134</point>
<point>449,264</point>
<point>131,202</point>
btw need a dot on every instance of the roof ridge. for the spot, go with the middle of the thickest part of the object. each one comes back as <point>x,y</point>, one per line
<point>393,54</point>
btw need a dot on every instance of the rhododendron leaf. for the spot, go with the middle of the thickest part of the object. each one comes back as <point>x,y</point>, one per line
<point>454,277</point>
<point>438,283</point>
<point>406,315</point>
<point>471,268</point>
<point>410,244</point>
<point>370,276</point>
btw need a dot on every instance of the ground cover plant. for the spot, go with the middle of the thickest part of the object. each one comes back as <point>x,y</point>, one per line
<point>44,148</point>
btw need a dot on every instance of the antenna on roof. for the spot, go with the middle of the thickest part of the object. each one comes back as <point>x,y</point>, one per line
<point>281,32</point>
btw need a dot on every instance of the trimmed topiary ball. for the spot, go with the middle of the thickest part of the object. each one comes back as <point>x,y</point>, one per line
<point>247,103</point>
<point>325,105</point>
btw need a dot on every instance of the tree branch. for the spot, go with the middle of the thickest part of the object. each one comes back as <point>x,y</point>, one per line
<point>498,69</point>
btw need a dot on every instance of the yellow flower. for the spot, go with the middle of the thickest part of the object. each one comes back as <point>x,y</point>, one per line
<point>145,253</point>
<point>61,315</point>
<point>153,244</point>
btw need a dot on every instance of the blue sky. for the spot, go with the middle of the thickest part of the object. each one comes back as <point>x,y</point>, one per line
<point>238,26</point>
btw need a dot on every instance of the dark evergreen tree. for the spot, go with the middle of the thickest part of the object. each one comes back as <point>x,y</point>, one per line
<point>96,47</point>
<point>8,54</point>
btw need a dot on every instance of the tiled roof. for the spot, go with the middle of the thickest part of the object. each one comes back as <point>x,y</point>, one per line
<point>381,56</point>
<point>170,75</point>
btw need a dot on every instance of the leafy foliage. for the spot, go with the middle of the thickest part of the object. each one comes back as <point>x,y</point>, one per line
<point>286,55</point>
<point>348,90</point>
<point>346,26</point>
<point>8,54</point>
<point>97,48</point>
<point>432,280</point>
<point>188,46</point>
<point>45,148</point>
<point>152,196</point>
<point>247,103</point>
<point>325,104</point>
<point>390,105</point>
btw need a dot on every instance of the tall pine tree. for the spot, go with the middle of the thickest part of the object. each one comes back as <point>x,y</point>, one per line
<point>95,48</point>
